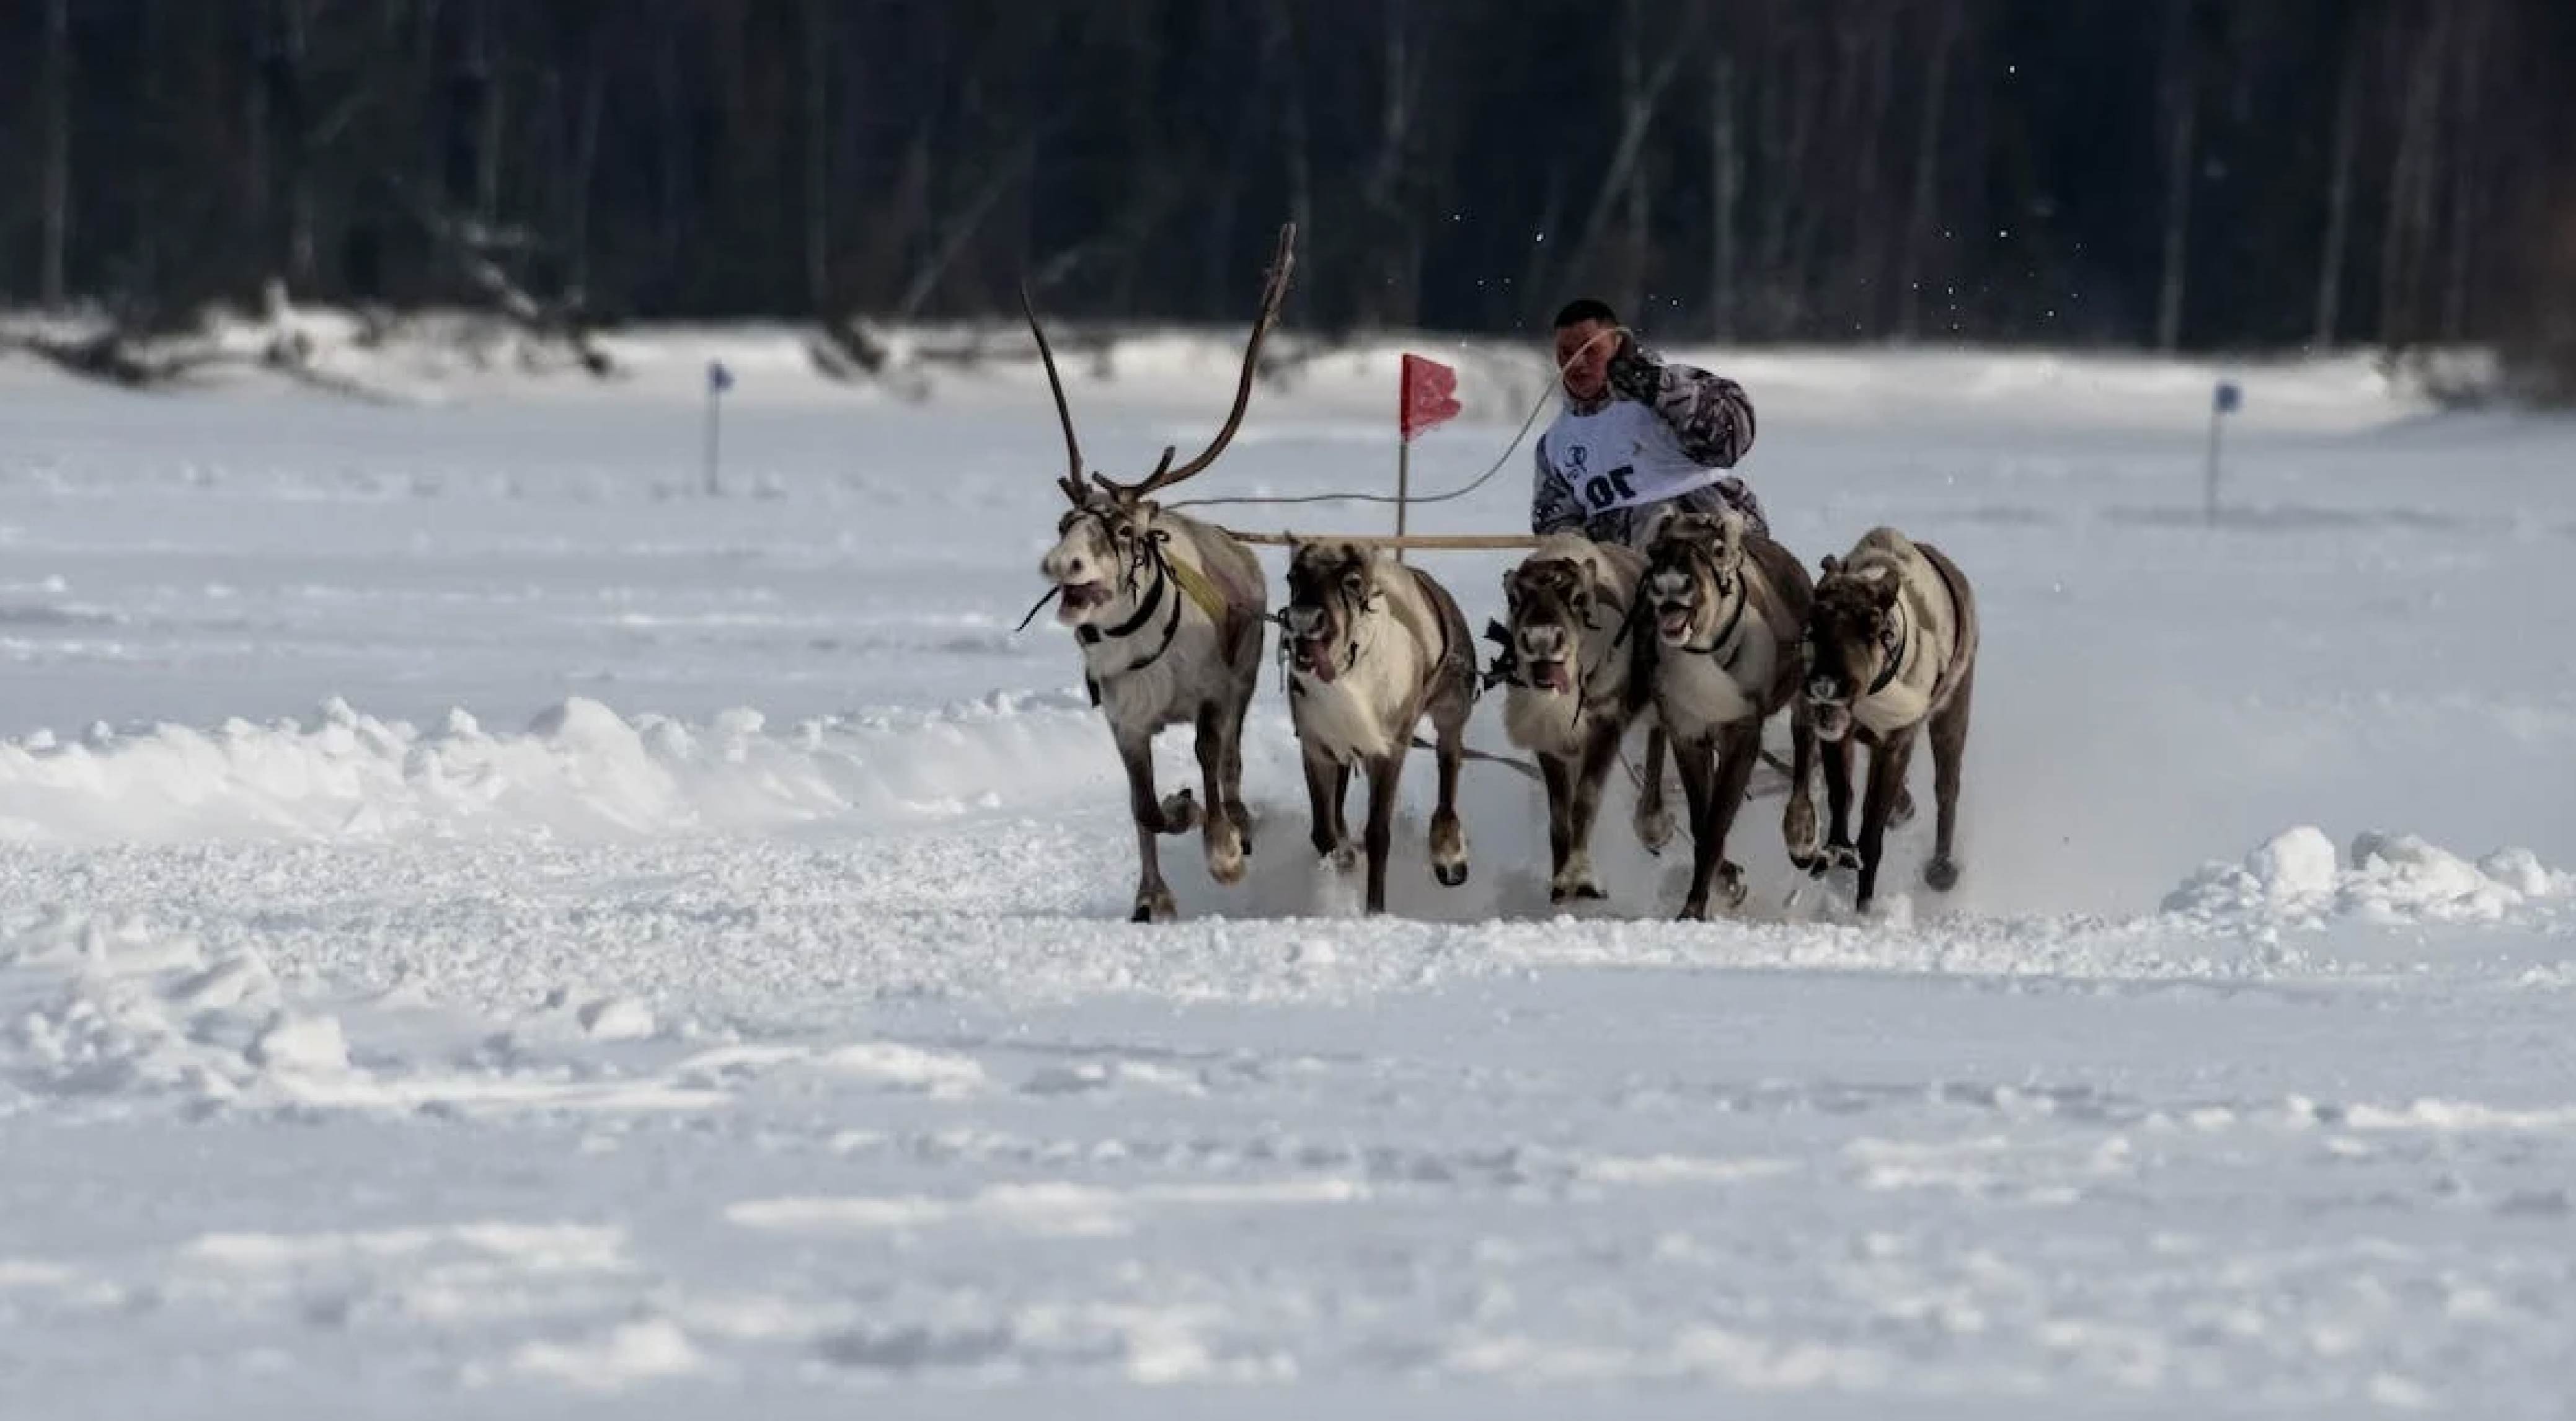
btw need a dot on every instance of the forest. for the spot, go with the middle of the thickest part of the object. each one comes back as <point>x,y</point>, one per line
<point>2165,174</point>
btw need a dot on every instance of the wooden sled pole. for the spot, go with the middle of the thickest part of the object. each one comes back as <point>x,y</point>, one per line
<point>1450,541</point>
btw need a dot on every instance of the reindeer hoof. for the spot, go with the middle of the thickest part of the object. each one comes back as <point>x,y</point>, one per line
<point>1154,908</point>
<point>1655,830</point>
<point>1340,860</point>
<point>1693,911</point>
<point>1226,867</point>
<point>1450,875</point>
<point>1836,856</point>
<point>1180,813</point>
<point>1902,811</point>
<point>1731,885</point>
<point>1584,890</point>
<point>1941,875</point>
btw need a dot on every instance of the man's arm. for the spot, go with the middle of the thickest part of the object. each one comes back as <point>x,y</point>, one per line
<point>1708,413</point>
<point>1553,506</point>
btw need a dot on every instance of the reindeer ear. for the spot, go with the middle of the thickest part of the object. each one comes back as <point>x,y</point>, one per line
<point>1730,542</point>
<point>1832,564</point>
<point>1659,517</point>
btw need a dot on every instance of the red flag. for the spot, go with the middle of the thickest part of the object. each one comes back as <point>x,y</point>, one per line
<point>1430,395</point>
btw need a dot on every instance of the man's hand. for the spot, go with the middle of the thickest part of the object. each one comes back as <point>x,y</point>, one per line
<point>1631,375</point>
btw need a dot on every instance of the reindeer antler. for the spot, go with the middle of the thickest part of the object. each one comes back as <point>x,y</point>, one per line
<point>1071,483</point>
<point>1273,292</point>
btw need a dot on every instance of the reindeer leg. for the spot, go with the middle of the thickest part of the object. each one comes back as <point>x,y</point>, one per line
<point>1739,749</point>
<point>1153,817</point>
<point>1326,785</point>
<point>1699,789</point>
<point>1220,831</point>
<point>1384,774</point>
<point>1949,746</point>
<point>1654,818</point>
<point>1239,709</point>
<point>1559,775</point>
<point>1798,825</point>
<point>1600,751</point>
<point>1448,835</point>
<point>1887,765</point>
<point>1839,853</point>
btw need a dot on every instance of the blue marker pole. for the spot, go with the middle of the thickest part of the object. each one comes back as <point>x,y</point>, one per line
<point>719,380</point>
<point>2224,401</point>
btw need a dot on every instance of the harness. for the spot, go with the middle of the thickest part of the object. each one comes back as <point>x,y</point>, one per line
<point>1734,620</point>
<point>1167,573</point>
<point>1896,663</point>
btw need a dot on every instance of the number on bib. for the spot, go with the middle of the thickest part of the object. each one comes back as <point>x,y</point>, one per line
<point>1601,490</point>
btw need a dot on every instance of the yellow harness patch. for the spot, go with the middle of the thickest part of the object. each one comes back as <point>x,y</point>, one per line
<point>1195,583</point>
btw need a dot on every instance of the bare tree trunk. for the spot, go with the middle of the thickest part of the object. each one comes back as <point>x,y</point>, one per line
<point>1927,170</point>
<point>1869,257</point>
<point>2411,188</point>
<point>1726,185</point>
<point>289,118</point>
<point>818,147</point>
<point>2182,113</point>
<point>1390,301</point>
<point>1280,41</point>
<point>674,145</point>
<point>487,182</point>
<point>1631,266</point>
<point>585,168</point>
<point>2467,161</point>
<point>2339,195</point>
<point>1642,98</point>
<point>57,200</point>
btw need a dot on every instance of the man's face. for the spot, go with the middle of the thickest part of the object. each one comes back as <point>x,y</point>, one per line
<point>1589,375</point>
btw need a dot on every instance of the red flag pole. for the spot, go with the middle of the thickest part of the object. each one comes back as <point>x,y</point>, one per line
<point>1403,481</point>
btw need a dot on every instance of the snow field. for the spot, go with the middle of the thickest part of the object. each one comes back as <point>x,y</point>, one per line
<point>486,929</point>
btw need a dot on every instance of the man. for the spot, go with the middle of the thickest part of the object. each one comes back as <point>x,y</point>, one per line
<point>1636,434</point>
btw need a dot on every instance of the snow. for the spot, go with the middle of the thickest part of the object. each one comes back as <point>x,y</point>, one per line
<point>487,928</point>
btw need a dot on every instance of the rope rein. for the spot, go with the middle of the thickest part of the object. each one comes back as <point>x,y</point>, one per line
<point>1529,421</point>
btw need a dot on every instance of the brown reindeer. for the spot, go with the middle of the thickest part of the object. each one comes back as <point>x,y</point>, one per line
<point>1727,607</point>
<point>1169,612</point>
<point>1373,646</point>
<point>1574,689</point>
<point>1891,648</point>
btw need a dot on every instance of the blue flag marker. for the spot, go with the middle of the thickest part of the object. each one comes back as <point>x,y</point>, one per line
<point>2227,399</point>
<point>719,380</point>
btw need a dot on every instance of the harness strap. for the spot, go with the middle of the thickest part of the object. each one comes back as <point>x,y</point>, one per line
<point>1093,636</point>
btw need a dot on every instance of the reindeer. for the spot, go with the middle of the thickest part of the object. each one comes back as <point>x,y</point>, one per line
<point>1169,612</point>
<point>1373,646</point>
<point>1728,608</point>
<point>1890,648</point>
<point>1576,684</point>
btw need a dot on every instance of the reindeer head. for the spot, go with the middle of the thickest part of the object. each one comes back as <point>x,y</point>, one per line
<point>1110,533</point>
<point>1331,587</point>
<point>1550,601</point>
<point>1854,632</point>
<point>1694,574</point>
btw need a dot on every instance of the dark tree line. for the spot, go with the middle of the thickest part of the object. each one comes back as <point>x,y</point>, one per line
<point>2182,173</point>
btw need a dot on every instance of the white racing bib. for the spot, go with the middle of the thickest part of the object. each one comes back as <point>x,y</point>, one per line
<point>1622,457</point>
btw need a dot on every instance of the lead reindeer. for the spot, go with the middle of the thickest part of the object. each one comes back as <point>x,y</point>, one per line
<point>1373,646</point>
<point>1728,608</point>
<point>1891,649</point>
<point>1169,612</point>
<point>1575,687</point>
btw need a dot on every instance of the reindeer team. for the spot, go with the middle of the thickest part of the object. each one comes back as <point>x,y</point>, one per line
<point>1705,635</point>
